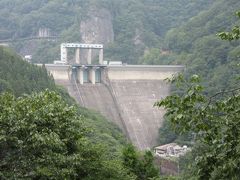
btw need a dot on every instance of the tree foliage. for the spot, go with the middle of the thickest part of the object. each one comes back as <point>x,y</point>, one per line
<point>167,135</point>
<point>196,45</point>
<point>234,34</point>
<point>42,137</point>
<point>140,165</point>
<point>215,123</point>
<point>19,76</point>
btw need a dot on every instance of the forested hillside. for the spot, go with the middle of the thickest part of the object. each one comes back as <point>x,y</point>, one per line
<point>19,76</point>
<point>197,46</point>
<point>137,25</point>
<point>213,120</point>
<point>141,25</point>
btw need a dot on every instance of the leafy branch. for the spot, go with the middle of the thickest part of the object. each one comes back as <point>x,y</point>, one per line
<point>216,125</point>
<point>234,34</point>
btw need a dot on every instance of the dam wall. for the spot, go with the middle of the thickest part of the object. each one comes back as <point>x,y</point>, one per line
<point>136,99</point>
<point>136,89</point>
<point>125,96</point>
<point>59,72</point>
<point>96,97</point>
<point>99,98</point>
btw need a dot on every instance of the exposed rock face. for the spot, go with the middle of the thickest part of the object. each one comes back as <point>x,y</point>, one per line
<point>98,27</point>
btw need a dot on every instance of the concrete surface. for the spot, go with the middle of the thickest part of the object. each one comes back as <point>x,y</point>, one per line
<point>96,97</point>
<point>59,72</point>
<point>136,99</point>
<point>99,98</point>
<point>142,72</point>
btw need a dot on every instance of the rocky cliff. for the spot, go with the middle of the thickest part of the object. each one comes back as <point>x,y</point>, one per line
<point>97,27</point>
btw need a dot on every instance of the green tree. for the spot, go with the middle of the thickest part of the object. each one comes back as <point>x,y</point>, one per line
<point>20,76</point>
<point>41,137</point>
<point>215,123</point>
<point>214,120</point>
<point>5,86</point>
<point>141,166</point>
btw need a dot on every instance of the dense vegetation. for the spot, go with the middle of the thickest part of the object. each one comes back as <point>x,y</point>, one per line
<point>141,25</point>
<point>18,76</point>
<point>196,45</point>
<point>43,137</point>
<point>138,25</point>
<point>213,119</point>
<point>138,164</point>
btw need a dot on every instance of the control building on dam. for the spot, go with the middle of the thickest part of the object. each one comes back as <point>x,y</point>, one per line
<point>124,94</point>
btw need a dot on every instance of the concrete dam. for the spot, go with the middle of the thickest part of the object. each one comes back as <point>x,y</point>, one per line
<point>124,94</point>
